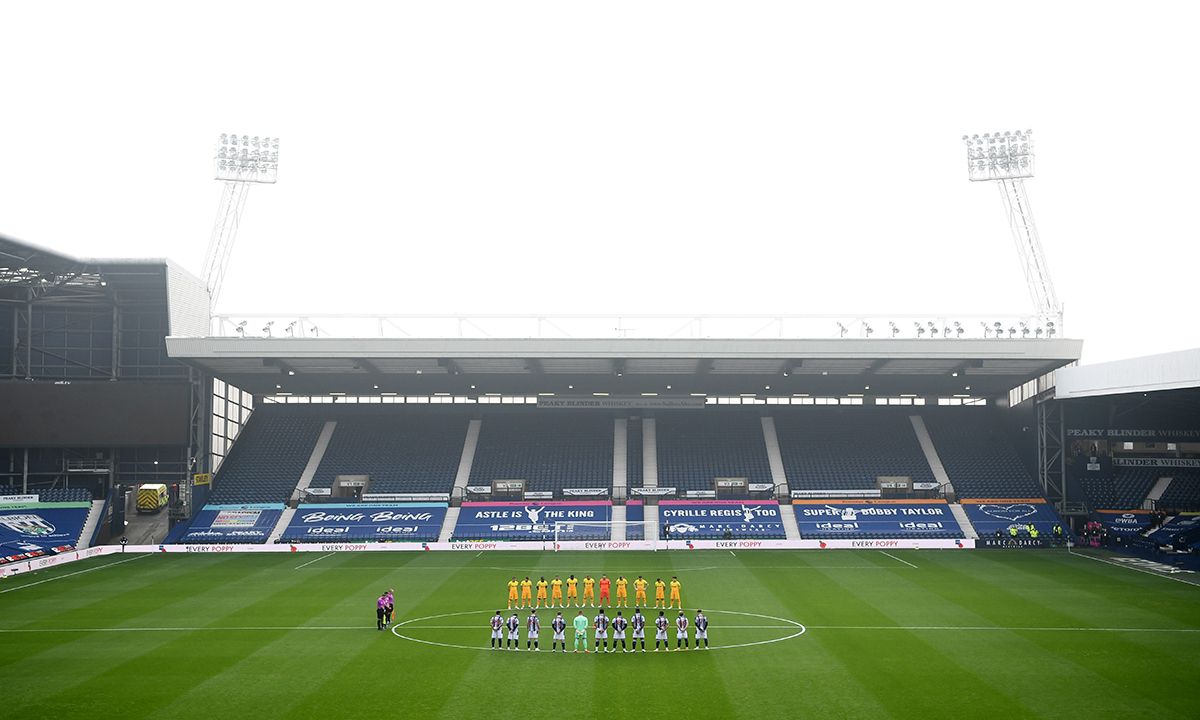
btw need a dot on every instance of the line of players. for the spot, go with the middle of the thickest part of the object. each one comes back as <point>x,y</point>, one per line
<point>600,624</point>
<point>525,588</point>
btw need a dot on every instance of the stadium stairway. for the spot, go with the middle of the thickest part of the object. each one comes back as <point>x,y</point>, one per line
<point>451,517</point>
<point>618,523</point>
<point>463,477</point>
<point>89,526</point>
<point>775,460</point>
<point>650,459</point>
<point>620,458</point>
<point>284,519</point>
<point>964,523</point>
<point>931,456</point>
<point>1157,492</point>
<point>791,529</point>
<point>314,460</point>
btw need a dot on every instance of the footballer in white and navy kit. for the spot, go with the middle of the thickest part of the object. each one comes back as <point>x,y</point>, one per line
<point>661,623</point>
<point>681,626</point>
<point>559,625</point>
<point>514,632</point>
<point>701,628</point>
<point>639,628</point>
<point>497,630</point>
<point>619,624</point>
<point>532,627</point>
<point>601,625</point>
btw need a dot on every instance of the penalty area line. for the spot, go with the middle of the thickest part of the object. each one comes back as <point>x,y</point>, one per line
<point>310,562</point>
<point>1151,573</point>
<point>914,567</point>
<point>77,572</point>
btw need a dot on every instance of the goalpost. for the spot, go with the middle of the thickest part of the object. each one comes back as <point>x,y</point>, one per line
<point>603,531</point>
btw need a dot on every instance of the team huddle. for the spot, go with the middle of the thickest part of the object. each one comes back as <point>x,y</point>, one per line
<point>506,633</point>
<point>520,593</point>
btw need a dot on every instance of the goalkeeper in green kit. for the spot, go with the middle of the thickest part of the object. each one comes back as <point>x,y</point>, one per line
<point>581,627</point>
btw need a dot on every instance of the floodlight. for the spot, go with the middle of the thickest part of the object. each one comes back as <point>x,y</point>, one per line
<point>242,158</point>
<point>841,330</point>
<point>920,329</point>
<point>1000,156</point>
<point>868,329</point>
<point>267,327</point>
<point>895,330</point>
<point>241,328</point>
<point>291,329</point>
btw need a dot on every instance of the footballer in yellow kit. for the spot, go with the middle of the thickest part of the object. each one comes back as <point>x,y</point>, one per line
<point>541,592</point>
<point>526,591</point>
<point>573,590</point>
<point>622,592</point>
<point>639,591</point>
<point>660,593</point>
<point>589,590</point>
<point>675,586</point>
<point>512,592</point>
<point>556,592</point>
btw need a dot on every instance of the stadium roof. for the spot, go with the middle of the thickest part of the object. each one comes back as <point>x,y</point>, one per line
<point>1168,371</point>
<point>621,366</point>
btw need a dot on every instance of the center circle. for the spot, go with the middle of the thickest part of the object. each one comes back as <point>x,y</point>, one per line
<point>800,629</point>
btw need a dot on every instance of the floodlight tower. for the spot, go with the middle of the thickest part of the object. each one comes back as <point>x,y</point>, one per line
<point>1007,159</point>
<point>240,161</point>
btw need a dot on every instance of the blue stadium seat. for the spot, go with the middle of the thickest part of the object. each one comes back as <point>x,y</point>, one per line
<point>696,446</point>
<point>832,449</point>
<point>978,456</point>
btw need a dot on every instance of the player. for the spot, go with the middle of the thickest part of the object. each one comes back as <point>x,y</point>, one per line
<point>556,591</point>
<point>660,631</point>
<point>605,587</point>
<point>533,627</point>
<point>380,610</point>
<point>526,592</point>
<point>581,625</point>
<point>639,592</point>
<point>541,592</point>
<point>675,587</point>
<point>589,591</point>
<point>622,591</point>
<point>391,606</point>
<point>660,593</point>
<point>619,625</point>
<point>573,590</point>
<point>513,586</point>
<point>514,633</point>
<point>681,626</point>
<point>601,625</point>
<point>559,626</point>
<point>701,628</point>
<point>639,628</point>
<point>497,631</point>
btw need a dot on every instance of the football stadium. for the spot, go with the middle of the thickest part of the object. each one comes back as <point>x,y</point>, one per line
<point>334,492</point>
<point>199,520</point>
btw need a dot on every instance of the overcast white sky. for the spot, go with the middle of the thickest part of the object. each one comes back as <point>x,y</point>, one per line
<point>641,156</point>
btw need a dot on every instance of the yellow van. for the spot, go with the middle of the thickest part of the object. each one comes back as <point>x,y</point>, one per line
<point>151,498</point>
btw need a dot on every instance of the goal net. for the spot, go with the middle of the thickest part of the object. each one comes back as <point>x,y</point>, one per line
<point>602,530</point>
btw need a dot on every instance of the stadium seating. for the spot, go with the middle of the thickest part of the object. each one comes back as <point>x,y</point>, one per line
<point>402,453</point>
<point>978,457</point>
<point>268,458</point>
<point>51,495</point>
<point>847,450</point>
<point>1184,491</point>
<point>1124,491</point>
<point>549,450</point>
<point>695,447</point>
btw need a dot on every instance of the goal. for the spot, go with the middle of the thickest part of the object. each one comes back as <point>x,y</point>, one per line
<point>602,531</point>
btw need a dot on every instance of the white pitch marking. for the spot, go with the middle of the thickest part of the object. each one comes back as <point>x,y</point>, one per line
<point>263,628</point>
<point>1129,567</point>
<point>478,553</point>
<point>733,553</point>
<point>914,567</point>
<point>723,627</point>
<point>77,572</point>
<point>992,628</point>
<point>791,624</point>
<point>310,562</point>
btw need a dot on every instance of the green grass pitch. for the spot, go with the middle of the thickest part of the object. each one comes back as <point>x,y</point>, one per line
<point>905,634</point>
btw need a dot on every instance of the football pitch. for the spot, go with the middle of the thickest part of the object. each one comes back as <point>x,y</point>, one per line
<point>831,634</point>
